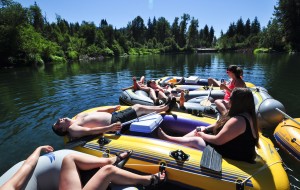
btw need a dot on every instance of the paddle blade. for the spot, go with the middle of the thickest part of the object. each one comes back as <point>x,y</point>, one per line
<point>205,103</point>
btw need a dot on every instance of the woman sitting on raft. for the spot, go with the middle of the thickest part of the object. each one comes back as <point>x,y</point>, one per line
<point>234,136</point>
<point>236,81</point>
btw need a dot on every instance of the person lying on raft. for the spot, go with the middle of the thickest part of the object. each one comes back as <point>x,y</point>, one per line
<point>161,93</point>
<point>103,120</point>
<point>156,93</point>
<point>234,136</point>
<point>110,171</point>
<point>20,177</point>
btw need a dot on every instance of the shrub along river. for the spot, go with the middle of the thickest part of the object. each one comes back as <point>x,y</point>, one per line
<point>31,99</point>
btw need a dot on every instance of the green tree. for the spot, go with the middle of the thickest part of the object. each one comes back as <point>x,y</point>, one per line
<point>163,29</point>
<point>150,30</point>
<point>175,29</point>
<point>212,37</point>
<point>88,31</point>
<point>247,30</point>
<point>255,26</point>
<point>137,29</point>
<point>231,30</point>
<point>240,28</point>
<point>108,32</point>
<point>192,37</point>
<point>271,36</point>
<point>36,17</point>
<point>12,18</point>
<point>182,32</point>
<point>288,14</point>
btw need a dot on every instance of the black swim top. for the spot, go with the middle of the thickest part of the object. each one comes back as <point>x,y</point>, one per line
<point>241,148</point>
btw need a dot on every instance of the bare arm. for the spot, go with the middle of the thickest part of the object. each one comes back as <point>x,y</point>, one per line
<point>129,87</point>
<point>109,110</point>
<point>17,181</point>
<point>79,131</point>
<point>204,129</point>
<point>233,127</point>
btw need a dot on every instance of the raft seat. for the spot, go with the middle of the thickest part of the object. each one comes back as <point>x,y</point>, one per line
<point>211,159</point>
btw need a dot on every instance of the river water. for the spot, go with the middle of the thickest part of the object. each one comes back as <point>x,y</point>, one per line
<point>31,99</point>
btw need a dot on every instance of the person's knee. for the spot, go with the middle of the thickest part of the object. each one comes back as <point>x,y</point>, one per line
<point>218,102</point>
<point>136,107</point>
<point>69,159</point>
<point>109,169</point>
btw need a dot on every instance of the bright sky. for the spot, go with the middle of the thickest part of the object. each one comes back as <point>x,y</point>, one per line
<point>216,13</point>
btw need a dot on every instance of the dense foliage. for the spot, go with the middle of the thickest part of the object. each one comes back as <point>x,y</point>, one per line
<point>281,33</point>
<point>26,37</point>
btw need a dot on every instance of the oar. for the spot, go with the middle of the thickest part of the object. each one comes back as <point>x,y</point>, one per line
<point>206,102</point>
<point>287,116</point>
<point>137,119</point>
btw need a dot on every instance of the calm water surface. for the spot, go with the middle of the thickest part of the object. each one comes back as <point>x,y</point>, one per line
<point>31,99</point>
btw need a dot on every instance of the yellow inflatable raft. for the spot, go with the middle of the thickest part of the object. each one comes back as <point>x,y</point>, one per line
<point>287,135</point>
<point>151,153</point>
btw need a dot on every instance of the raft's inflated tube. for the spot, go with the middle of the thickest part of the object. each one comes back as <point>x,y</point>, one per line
<point>46,173</point>
<point>267,115</point>
<point>130,97</point>
<point>265,104</point>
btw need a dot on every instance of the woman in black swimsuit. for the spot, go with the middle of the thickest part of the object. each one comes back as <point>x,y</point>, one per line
<point>234,136</point>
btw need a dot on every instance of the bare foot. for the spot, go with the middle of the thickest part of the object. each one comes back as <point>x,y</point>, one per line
<point>135,87</point>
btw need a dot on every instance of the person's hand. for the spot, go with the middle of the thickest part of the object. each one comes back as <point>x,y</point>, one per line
<point>222,86</point>
<point>199,130</point>
<point>47,148</point>
<point>115,126</point>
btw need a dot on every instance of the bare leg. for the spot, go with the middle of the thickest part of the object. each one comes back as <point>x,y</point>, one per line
<point>135,86</point>
<point>162,95</point>
<point>153,95</point>
<point>129,87</point>
<point>69,177</point>
<point>142,79</point>
<point>222,106</point>
<point>143,109</point>
<point>194,142</point>
<point>213,82</point>
<point>110,173</point>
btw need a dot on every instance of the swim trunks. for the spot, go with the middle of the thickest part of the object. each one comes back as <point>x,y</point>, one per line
<point>124,115</point>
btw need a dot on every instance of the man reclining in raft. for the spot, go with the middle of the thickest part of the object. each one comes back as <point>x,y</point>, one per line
<point>104,120</point>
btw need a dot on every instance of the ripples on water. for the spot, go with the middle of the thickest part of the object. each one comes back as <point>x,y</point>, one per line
<point>31,100</point>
